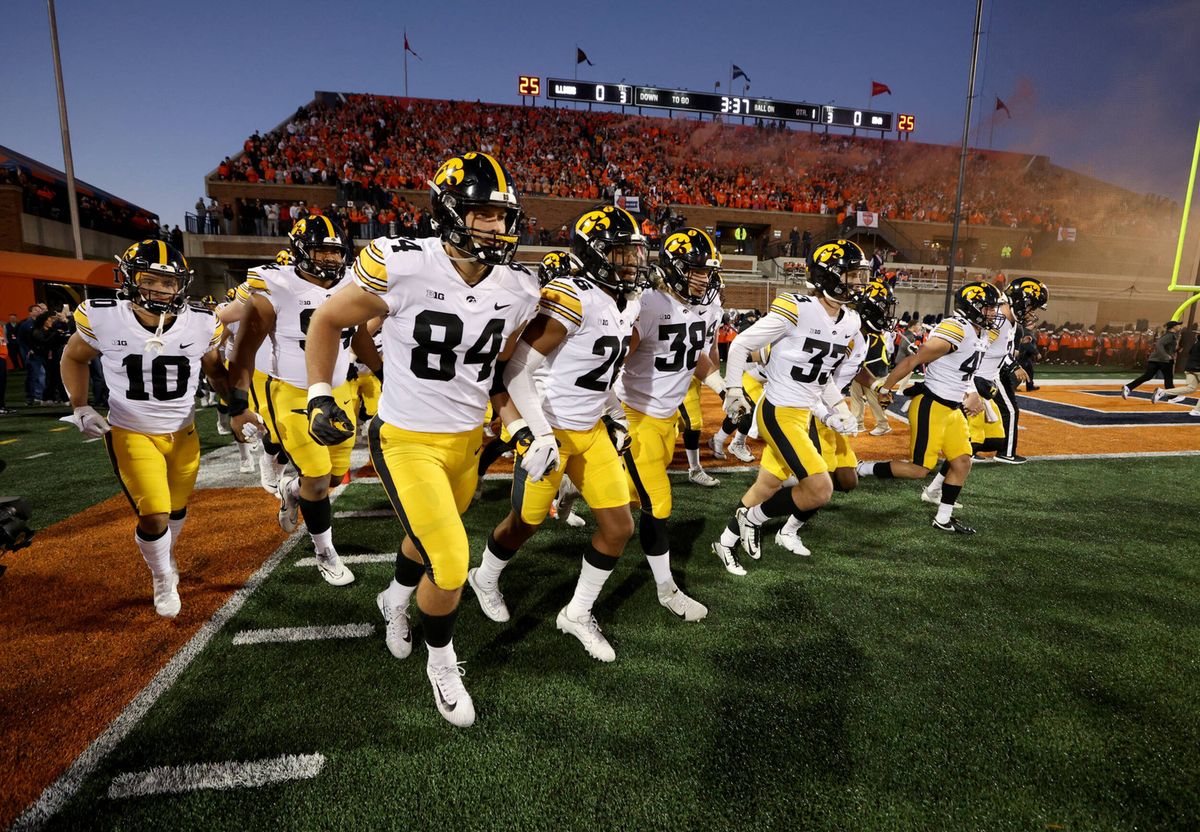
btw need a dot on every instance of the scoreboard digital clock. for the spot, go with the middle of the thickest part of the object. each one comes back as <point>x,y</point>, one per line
<point>559,89</point>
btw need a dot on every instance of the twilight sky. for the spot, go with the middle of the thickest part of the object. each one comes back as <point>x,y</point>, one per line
<point>159,92</point>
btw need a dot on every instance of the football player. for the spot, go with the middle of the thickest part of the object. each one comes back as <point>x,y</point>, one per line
<point>453,307</point>
<point>282,304</point>
<point>581,334</point>
<point>808,336</point>
<point>153,347</point>
<point>246,450</point>
<point>668,350</point>
<point>942,402</point>
<point>1019,307</point>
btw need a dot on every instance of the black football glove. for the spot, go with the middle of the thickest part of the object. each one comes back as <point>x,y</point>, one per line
<point>328,423</point>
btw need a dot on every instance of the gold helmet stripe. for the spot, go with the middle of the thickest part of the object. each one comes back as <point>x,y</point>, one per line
<point>501,180</point>
<point>162,252</point>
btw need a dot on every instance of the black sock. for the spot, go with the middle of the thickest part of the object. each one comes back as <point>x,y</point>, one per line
<point>653,534</point>
<point>178,515</point>
<point>498,549</point>
<point>318,515</point>
<point>150,538</point>
<point>804,514</point>
<point>945,469</point>
<point>950,494</point>
<point>408,572</point>
<point>439,629</point>
<point>598,559</point>
<point>728,426</point>
<point>691,440</point>
<point>779,504</point>
<point>222,408</point>
<point>995,443</point>
<point>883,470</point>
<point>744,423</point>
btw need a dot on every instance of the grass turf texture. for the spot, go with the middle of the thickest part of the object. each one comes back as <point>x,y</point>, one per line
<point>1041,674</point>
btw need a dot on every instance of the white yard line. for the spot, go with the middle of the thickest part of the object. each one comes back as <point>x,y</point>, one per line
<point>374,512</point>
<point>39,456</point>
<point>290,634</point>
<point>230,775</point>
<point>380,557</point>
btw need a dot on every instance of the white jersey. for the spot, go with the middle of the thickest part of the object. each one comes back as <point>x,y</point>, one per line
<point>998,349</point>
<point>672,334</point>
<point>151,393</point>
<point>441,337</point>
<point>805,358</point>
<point>295,300</point>
<point>582,370</point>
<point>950,377</point>
<point>377,340</point>
<point>266,350</point>
<point>851,364</point>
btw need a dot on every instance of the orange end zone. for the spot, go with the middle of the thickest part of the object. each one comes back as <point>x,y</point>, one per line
<point>79,630</point>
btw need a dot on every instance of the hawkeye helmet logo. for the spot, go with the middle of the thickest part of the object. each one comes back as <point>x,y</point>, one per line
<point>553,260</point>
<point>450,173</point>
<point>680,242</point>
<point>974,292</point>
<point>592,220</point>
<point>829,251</point>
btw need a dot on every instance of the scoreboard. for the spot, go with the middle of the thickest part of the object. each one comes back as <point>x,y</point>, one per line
<point>560,89</point>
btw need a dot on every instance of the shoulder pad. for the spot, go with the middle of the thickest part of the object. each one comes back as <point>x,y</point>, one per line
<point>196,306</point>
<point>100,303</point>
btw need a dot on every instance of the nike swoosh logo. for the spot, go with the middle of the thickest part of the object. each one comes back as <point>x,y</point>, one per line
<point>185,346</point>
<point>450,706</point>
<point>505,306</point>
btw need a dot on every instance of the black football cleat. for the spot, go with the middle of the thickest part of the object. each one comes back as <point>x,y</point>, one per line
<point>953,526</point>
<point>1015,459</point>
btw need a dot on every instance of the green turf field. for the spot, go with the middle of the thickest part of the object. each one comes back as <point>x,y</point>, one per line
<point>1041,675</point>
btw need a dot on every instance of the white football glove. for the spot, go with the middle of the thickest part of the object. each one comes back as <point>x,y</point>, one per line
<point>618,432</point>
<point>89,422</point>
<point>736,404</point>
<point>541,458</point>
<point>841,422</point>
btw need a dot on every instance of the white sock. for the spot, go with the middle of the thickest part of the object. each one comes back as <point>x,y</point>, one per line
<point>693,457</point>
<point>729,537</point>
<point>442,656</point>
<point>489,571</point>
<point>865,469</point>
<point>719,439</point>
<point>587,590</point>
<point>756,515</point>
<point>793,525</point>
<point>944,512</point>
<point>243,451</point>
<point>397,594</point>
<point>938,479</point>
<point>176,527</point>
<point>739,438</point>
<point>660,566</point>
<point>789,482</point>
<point>157,553</point>
<point>294,488</point>
<point>323,541</point>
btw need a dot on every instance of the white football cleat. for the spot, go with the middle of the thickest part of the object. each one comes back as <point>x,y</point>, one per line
<point>332,569</point>
<point>717,451</point>
<point>1125,391</point>
<point>397,634</point>
<point>289,506</point>
<point>728,558</point>
<point>749,534</point>
<point>882,429</point>
<point>673,598</point>
<point>246,466</point>
<point>166,595</point>
<point>1176,400</point>
<point>933,496</point>
<point>588,633</point>
<point>490,600</point>
<point>739,450</point>
<point>702,478</point>
<point>269,472</point>
<point>1158,395</point>
<point>223,424</point>
<point>575,521</point>
<point>791,541</point>
<point>450,695</point>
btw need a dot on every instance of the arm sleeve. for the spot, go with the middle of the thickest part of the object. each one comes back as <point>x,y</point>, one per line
<point>518,380</point>
<point>767,331</point>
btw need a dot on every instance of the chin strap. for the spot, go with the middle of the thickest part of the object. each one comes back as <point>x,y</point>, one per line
<point>155,342</point>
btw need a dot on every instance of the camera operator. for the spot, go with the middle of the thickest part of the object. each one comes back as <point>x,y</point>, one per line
<point>51,331</point>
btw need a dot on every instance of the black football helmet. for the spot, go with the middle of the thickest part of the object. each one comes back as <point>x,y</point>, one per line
<point>314,232</point>
<point>468,182</point>
<point>687,250</point>
<point>1027,295</point>
<point>154,257</point>
<point>837,268</point>
<point>554,265</point>
<point>977,302</point>
<point>604,241</point>
<point>876,305</point>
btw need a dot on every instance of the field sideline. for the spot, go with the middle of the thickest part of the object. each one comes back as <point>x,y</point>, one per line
<point>1037,675</point>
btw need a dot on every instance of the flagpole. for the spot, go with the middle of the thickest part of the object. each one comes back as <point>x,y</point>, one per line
<point>406,63</point>
<point>991,132</point>
<point>68,161</point>
<point>962,160</point>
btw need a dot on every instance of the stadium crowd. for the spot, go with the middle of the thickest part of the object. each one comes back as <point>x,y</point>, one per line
<point>371,145</point>
<point>43,197</point>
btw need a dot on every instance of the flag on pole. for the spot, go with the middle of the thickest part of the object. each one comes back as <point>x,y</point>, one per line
<point>738,72</point>
<point>1000,105</point>
<point>581,57</point>
<point>879,89</point>
<point>408,48</point>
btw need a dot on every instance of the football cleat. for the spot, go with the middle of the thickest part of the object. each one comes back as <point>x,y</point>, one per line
<point>1158,395</point>
<point>953,526</point>
<point>729,559</point>
<point>246,466</point>
<point>587,630</point>
<point>791,541</point>
<point>1015,459</point>
<point>223,424</point>
<point>718,452</point>
<point>749,534</point>
<point>1194,411</point>
<point>397,634</point>
<point>166,595</point>
<point>269,472</point>
<point>882,429</point>
<point>565,504</point>
<point>933,496</point>
<point>739,450</point>
<point>1177,400</point>
<point>450,695</point>
<point>1125,391</point>
<point>702,478</point>
<point>289,506</point>
<point>490,600</point>
<point>673,598</point>
<point>575,521</point>
<point>332,569</point>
